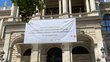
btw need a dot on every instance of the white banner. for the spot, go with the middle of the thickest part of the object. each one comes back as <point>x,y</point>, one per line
<point>51,31</point>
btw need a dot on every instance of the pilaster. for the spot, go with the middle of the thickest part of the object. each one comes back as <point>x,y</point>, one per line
<point>18,57</point>
<point>65,6</point>
<point>92,5</point>
<point>6,46</point>
<point>87,6</point>
<point>70,8</point>
<point>99,49</point>
<point>60,6</point>
<point>17,14</point>
<point>10,54</point>
<point>66,55</point>
<point>1,26</point>
<point>13,10</point>
<point>35,53</point>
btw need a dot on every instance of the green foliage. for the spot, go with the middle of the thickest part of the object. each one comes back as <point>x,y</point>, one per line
<point>28,7</point>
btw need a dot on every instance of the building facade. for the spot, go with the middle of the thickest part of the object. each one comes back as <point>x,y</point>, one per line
<point>93,43</point>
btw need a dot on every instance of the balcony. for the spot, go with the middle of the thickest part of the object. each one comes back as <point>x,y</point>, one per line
<point>76,15</point>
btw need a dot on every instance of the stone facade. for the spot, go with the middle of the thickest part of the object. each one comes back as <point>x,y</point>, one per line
<point>92,44</point>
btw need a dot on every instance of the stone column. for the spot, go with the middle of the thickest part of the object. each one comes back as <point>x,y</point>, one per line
<point>87,6</point>
<point>18,57</point>
<point>66,55</point>
<point>17,11</point>
<point>13,10</point>
<point>97,50</point>
<point>60,8</point>
<point>10,54</point>
<point>6,46</point>
<point>35,53</point>
<point>70,7</point>
<point>43,14</point>
<point>71,55</point>
<point>60,4</point>
<point>65,7</point>
<point>17,14</point>
<point>1,26</point>
<point>92,5</point>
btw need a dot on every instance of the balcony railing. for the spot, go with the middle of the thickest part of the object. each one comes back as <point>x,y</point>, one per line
<point>76,15</point>
<point>17,19</point>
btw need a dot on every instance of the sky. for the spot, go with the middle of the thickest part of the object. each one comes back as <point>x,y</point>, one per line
<point>9,3</point>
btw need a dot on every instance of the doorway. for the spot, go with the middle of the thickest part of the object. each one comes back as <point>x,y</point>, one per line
<point>81,54</point>
<point>26,55</point>
<point>54,55</point>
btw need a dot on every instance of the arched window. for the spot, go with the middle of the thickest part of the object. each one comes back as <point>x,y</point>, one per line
<point>26,56</point>
<point>80,50</point>
<point>54,55</point>
<point>106,22</point>
<point>27,52</point>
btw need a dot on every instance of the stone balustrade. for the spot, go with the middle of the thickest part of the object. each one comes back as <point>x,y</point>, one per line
<point>17,19</point>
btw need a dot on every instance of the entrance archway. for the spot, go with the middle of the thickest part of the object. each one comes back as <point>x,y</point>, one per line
<point>54,55</point>
<point>81,54</point>
<point>15,50</point>
<point>80,50</point>
<point>26,55</point>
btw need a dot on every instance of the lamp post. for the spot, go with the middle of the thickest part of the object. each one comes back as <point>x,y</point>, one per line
<point>1,56</point>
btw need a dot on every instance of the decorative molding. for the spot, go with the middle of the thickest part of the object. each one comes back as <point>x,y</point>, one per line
<point>94,45</point>
<point>90,32</point>
<point>15,35</point>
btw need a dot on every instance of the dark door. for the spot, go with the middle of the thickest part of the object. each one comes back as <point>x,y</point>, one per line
<point>54,55</point>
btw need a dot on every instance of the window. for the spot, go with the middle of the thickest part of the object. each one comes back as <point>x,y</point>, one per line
<point>78,6</point>
<point>52,7</point>
<point>107,0</point>
<point>80,50</point>
<point>51,11</point>
<point>54,55</point>
<point>101,0</point>
<point>104,0</point>
<point>27,52</point>
<point>106,22</point>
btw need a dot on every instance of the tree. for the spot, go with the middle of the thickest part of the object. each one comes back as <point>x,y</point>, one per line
<point>28,7</point>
